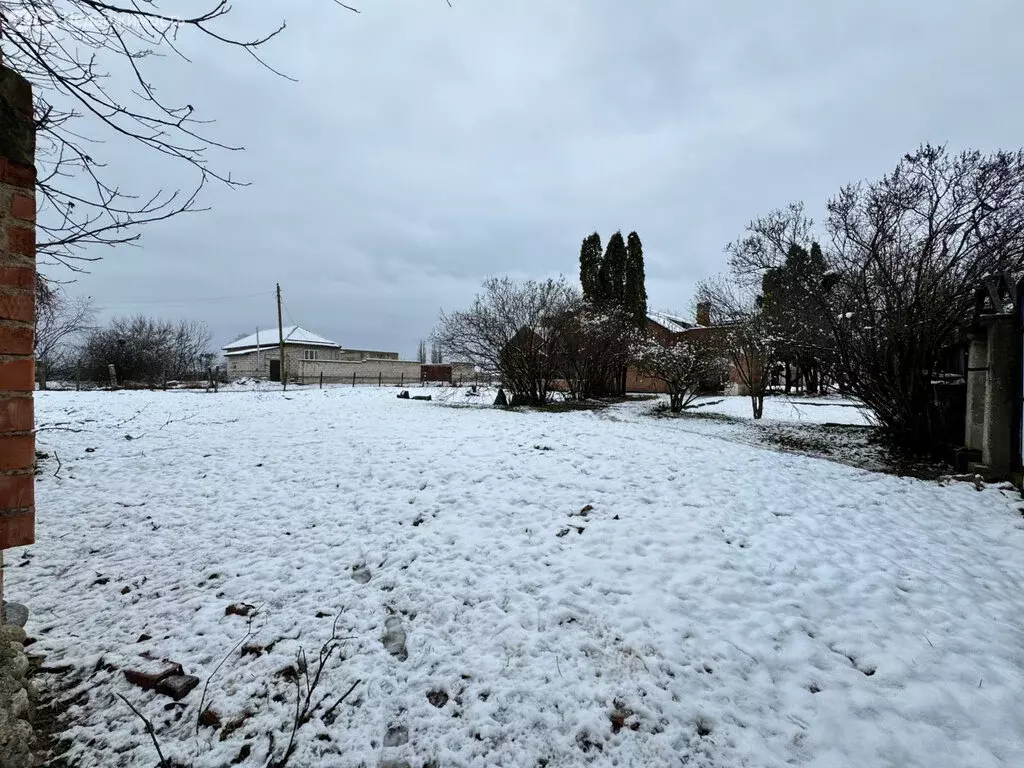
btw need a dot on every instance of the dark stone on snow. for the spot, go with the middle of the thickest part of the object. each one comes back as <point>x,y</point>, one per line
<point>177,686</point>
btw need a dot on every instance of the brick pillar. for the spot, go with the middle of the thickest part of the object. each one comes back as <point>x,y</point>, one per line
<point>17,312</point>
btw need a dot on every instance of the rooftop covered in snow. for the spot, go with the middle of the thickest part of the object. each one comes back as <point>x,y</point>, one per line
<point>671,322</point>
<point>293,334</point>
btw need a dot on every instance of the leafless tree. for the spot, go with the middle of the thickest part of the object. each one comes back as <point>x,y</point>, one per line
<point>147,351</point>
<point>910,251</point>
<point>60,319</point>
<point>746,337</point>
<point>92,65</point>
<point>684,365</point>
<point>592,348</point>
<point>767,242</point>
<point>903,257</point>
<point>511,329</point>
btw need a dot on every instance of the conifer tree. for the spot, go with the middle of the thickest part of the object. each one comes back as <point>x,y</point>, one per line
<point>634,290</point>
<point>590,267</point>
<point>613,271</point>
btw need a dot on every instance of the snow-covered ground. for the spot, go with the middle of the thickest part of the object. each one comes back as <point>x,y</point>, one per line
<point>801,410</point>
<point>721,604</point>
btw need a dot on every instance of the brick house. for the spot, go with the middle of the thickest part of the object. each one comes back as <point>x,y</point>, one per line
<point>308,356</point>
<point>668,329</point>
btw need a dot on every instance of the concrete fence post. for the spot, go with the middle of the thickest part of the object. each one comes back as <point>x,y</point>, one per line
<point>1003,362</point>
<point>17,312</point>
<point>977,376</point>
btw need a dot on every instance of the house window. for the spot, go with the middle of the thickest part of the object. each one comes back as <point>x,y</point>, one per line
<point>309,354</point>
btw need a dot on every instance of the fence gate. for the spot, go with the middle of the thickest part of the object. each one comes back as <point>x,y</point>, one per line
<point>275,370</point>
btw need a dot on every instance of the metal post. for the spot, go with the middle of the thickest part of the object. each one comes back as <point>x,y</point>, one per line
<point>321,379</point>
<point>402,380</point>
<point>380,378</point>
<point>353,378</point>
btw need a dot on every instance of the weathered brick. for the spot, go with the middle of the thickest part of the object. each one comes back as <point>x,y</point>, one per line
<point>17,530</point>
<point>17,375</point>
<point>18,277</point>
<point>16,340</point>
<point>17,452</point>
<point>16,414</point>
<point>23,207</point>
<point>151,675</point>
<point>19,175</point>
<point>17,491</point>
<point>22,240</point>
<point>18,306</point>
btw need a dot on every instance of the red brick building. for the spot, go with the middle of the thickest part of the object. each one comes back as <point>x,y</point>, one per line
<point>668,329</point>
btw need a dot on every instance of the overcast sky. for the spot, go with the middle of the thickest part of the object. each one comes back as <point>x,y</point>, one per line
<point>424,147</point>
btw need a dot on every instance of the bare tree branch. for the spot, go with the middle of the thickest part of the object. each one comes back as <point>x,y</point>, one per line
<point>89,62</point>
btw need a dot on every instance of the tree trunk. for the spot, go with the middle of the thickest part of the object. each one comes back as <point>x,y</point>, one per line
<point>41,368</point>
<point>789,379</point>
<point>812,380</point>
<point>757,405</point>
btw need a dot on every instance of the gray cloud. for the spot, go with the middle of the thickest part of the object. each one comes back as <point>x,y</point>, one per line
<point>424,148</point>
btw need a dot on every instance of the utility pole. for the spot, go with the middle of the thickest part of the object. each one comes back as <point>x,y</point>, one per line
<point>280,338</point>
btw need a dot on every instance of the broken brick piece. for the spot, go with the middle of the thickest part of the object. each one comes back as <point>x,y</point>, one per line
<point>152,677</point>
<point>177,686</point>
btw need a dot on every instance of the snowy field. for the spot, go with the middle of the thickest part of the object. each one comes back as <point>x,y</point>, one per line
<point>720,604</point>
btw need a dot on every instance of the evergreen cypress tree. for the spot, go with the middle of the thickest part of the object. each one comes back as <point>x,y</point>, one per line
<point>590,267</point>
<point>634,289</point>
<point>613,271</point>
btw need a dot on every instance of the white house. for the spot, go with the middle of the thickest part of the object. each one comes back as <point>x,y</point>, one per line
<point>308,356</point>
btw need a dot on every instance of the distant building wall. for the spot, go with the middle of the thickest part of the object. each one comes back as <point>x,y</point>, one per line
<point>366,354</point>
<point>257,364</point>
<point>636,381</point>
<point>368,371</point>
<point>297,364</point>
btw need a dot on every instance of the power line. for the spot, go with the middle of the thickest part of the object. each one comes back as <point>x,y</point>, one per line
<point>288,312</point>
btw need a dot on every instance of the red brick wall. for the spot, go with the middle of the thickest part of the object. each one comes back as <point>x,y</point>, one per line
<point>17,312</point>
<point>637,382</point>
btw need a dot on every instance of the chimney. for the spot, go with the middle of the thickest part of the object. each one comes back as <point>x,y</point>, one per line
<point>704,313</point>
